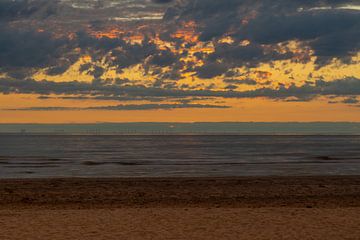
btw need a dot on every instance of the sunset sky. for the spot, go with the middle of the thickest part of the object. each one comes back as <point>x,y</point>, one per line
<point>85,61</point>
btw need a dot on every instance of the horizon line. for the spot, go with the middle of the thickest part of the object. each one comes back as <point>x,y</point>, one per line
<point>190,122</point>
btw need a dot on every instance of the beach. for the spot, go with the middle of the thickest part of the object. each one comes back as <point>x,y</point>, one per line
<point>181,208</point>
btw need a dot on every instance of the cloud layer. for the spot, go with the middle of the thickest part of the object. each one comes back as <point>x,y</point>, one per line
<point>202,50</point>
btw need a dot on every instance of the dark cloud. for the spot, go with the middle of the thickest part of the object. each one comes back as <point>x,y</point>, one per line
<point>271,28</point>
<point>241,81</point>
<point>228,56</point>
<point>329,31</point>
<point>113,98</point>
<point>29,48</point>
<point>33,49</point>
<point>97,72</point>
<point>131,54</point>
<point>163,58</point>
<point>351,100</point>
<point>105,44</point>
<point>346,87</point>
<point>231,87</point>
<point>211,69</point>
<point>57,70</point>
<point>26,9</point>
<point>247,56</point>
<point>129,107</point>
<point>342,87</point>
<point>94,70</point>
<point>162,1</point>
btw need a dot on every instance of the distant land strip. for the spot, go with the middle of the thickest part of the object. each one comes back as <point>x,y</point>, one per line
<point>218,128</point>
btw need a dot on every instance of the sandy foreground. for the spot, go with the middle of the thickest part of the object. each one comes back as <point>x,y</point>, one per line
<point>181,208</point>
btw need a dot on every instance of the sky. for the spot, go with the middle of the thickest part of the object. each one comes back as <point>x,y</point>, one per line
<point>87,61</point>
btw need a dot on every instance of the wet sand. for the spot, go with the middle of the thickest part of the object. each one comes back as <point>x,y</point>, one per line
<point>183,208</point>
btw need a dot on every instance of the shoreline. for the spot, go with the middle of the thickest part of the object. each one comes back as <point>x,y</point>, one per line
<point>230,192</point>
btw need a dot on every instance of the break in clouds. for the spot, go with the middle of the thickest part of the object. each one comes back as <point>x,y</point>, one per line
<point>186,51</point>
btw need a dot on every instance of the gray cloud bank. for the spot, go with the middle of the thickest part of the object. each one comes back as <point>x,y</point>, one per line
<point>348,87</point>
<point>128,107</point>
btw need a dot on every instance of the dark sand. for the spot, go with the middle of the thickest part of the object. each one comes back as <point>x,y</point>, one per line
<point>183,208</point>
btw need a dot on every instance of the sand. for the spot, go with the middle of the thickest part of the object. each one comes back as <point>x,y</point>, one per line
<point>183,208</point>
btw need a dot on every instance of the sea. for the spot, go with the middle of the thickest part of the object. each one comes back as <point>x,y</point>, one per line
<point>177,155</point>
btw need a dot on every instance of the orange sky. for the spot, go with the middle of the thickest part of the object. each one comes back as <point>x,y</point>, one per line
<point>257,110</point>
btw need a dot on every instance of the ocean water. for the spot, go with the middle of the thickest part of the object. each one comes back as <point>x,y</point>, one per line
<point>36,156</point>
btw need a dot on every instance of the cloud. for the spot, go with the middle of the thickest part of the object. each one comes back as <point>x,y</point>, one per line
<point>36,35</point>
<point>122,54</point>
<point>36,46</point>
<point>129,107</point>
<point>331,33</point>
<point>86,42</point>
<point>162,1</point>
<point>163,58</point>
<point>269,29</point>
<point>24,9</point>
<point>28,48</point>
<point>308,91</point>
<point>211,69</point>
<point>341,87</point>
<point>245,56</point>
<point>32,49</point>
<point>241,81</point>
<point>351,100</point>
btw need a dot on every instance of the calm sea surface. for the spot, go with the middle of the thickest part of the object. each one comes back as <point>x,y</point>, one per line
<point>33,156</point>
